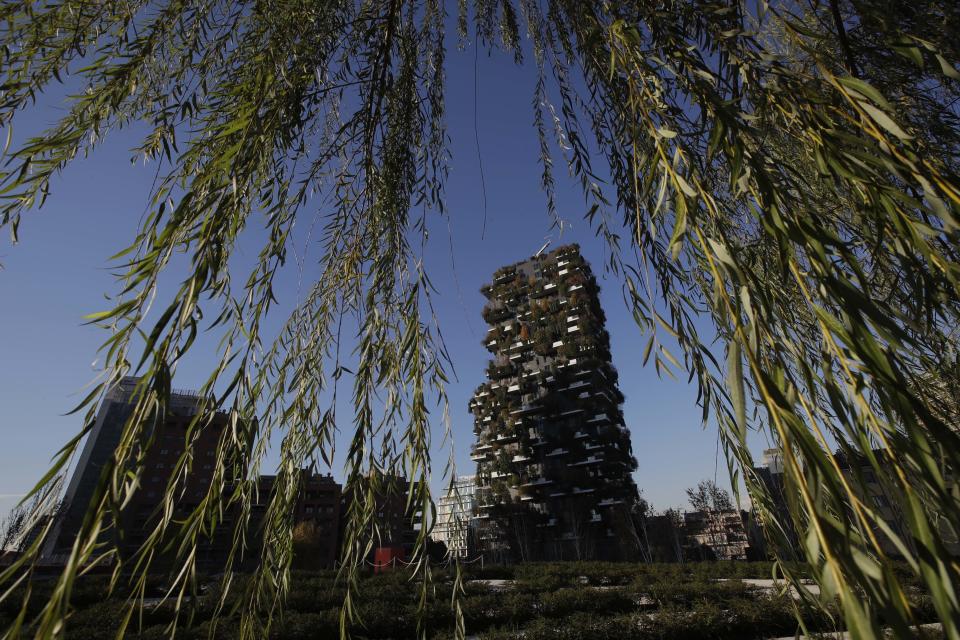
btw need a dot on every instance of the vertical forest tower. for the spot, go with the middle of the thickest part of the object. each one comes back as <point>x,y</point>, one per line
<point>553,456</point>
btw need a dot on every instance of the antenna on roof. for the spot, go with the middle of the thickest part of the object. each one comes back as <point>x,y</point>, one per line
<point>545,245</point>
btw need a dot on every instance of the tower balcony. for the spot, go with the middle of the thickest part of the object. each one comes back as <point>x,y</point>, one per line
<point>594,459</point>
<point>537,482</point>
<point>526,409</point>
<point>496,312</point>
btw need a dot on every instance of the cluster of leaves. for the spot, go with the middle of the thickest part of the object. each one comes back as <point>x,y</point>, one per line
<point>789,170</point>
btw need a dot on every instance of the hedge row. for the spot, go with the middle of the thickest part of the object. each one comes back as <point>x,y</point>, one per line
<point>551,600</point>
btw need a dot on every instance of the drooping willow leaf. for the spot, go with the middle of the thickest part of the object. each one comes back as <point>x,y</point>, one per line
<point>788,170</point>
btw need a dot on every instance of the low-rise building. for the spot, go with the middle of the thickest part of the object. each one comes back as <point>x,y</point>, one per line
<point>397,520</point>
<point>878,495</point>
<point>881,493</point>
<point>316,518</point>
<point>771,475</point>
<point>715,535</point>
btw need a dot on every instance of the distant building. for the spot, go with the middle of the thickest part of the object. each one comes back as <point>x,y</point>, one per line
<point>881,497</point>
<point>397,523</point>
<point>715,535</point>
<point>455,516</point>
<point>316,518</point>
<point>882,494</point>
<point>554,460</point>
<point>663,536</point>
<point>168,442</point>
<point>771,474</point>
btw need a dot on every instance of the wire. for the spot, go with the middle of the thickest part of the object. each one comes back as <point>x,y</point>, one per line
<point>476,128</point>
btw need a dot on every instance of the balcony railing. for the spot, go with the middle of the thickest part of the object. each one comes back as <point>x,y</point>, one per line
<point>537,482</point>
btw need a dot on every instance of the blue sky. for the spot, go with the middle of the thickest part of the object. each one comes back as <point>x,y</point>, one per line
<point>59,273</point>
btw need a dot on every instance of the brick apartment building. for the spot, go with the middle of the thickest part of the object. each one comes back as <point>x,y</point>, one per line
<point>316,518</point>
<point>139,516</point>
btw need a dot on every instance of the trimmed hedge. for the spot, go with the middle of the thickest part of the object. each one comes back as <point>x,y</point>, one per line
<point>567,601</point>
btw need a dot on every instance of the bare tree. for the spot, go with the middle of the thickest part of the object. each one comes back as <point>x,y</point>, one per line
<point>31,518</point>
<point>11,528</point>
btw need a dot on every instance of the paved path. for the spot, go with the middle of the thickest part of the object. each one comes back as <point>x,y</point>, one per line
<point>495,585</point>
<point>934,630</point>
<point>768,584</point>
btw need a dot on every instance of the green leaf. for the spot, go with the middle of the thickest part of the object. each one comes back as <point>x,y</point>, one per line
<point>885,121</point>
<point>736,386</point>
<point>865,89</point>
<point>948,69</point>
<point>99,315</point>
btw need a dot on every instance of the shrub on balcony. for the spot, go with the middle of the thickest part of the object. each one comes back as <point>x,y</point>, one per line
<point>499,371</point>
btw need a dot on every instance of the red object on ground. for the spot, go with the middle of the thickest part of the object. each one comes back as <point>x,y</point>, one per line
<point>385,558</point>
